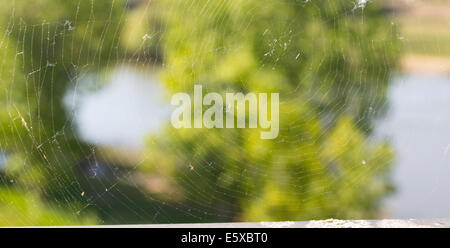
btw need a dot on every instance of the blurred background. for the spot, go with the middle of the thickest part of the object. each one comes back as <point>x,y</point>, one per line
<point>85,88</point>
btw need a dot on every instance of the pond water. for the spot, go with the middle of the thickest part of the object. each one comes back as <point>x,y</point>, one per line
<point>418,127</point>
<point>123,112</point>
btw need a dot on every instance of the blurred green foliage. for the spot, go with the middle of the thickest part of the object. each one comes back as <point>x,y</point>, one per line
<point>26,209</point>
<point>329,61</point>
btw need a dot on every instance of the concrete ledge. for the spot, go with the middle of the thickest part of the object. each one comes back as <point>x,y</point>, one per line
<point>330,223</point>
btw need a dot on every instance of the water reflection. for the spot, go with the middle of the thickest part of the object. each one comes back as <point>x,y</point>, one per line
<point>123,112</point>
<point>418,125</point>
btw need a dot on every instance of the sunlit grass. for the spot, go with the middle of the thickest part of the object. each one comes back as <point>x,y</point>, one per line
<point>426,31</point>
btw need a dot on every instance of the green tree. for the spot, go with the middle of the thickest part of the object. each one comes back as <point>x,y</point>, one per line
<point>46,46</point>
<point>330,62</point>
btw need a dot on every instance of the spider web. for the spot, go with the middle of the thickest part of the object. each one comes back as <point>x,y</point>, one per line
<point>85,129</point>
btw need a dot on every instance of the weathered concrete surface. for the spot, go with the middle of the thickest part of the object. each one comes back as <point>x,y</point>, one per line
<point>330,223</point>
